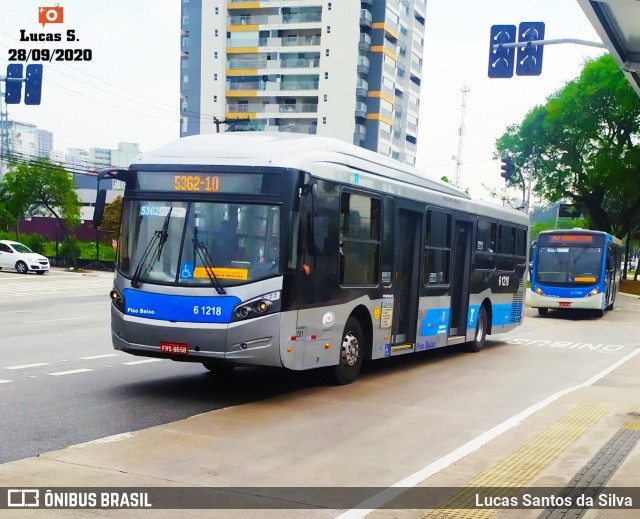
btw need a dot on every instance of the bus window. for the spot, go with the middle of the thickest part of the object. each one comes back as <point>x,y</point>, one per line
<point>359,240</point>
<point>437,248</point>
<point>387,241</point>
<point>506,248</point>
<point>485,245</point>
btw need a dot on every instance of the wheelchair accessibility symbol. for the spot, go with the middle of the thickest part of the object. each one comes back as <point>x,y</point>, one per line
<point>187,271</point>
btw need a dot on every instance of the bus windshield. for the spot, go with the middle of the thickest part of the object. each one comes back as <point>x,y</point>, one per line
<point>568,265</point>
<point>199,242</point>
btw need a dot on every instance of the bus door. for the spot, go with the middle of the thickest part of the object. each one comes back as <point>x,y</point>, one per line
<point>460,276</point>
<point>407,276</point>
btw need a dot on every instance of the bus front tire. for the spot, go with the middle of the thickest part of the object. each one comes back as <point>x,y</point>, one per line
<point>543,311</point>
<point>351,354</point>
<point>481,332</point>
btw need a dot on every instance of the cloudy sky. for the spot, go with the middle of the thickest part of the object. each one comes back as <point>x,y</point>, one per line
<point>129,91</point>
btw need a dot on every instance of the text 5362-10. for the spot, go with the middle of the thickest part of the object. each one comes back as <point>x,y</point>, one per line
<point>27,55</point>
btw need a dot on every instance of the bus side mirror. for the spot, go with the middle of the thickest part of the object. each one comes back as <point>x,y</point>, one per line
<point>98,212</point>
<point>317,235</point>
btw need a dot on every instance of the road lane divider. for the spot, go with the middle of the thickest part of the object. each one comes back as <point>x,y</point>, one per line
<point>70,372</point>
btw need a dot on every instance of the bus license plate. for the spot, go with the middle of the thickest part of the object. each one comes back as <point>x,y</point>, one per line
<point>565,303</point>
<point>175,348</point>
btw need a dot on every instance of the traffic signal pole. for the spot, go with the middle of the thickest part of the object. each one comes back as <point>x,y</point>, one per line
<point>550,42</point>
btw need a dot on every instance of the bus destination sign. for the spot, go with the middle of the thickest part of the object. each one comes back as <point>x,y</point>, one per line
<point>200,182</point>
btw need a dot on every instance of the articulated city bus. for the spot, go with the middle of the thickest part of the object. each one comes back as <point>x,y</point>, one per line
<point>575,269</point>
<point>305,252</point>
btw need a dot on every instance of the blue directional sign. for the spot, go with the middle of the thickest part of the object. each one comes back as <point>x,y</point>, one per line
<point>529,56</point>
<point>501,60</point>
<point>33,86</point>
<point>13,92</point>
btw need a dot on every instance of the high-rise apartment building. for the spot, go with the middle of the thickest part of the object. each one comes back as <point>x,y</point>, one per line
<point>342,68</point>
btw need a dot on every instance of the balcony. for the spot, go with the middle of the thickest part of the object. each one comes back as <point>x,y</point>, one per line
<point>363,65</point>
<point>366,18</point>
<point>271,86</point>
<point>362,88</point>
<point>365,42</point>
<point>264,64</point>
<point>275,19</point>
<point>271,110</point>
<point>361,110</point>
<point>287,41</point>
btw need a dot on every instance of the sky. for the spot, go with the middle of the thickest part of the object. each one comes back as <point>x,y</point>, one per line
<point>129,91</point>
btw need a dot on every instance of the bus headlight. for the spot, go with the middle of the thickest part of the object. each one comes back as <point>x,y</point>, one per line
<point>593,292</point>
<point>265,304</point>
<point>538,291</point>
<point>117,299</point>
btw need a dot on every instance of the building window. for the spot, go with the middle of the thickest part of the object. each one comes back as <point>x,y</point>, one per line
<point>324,120</point>
<point>329,6</point>
<point>215,99</point>
<point>328,29</point>
<point>185,79</point>
<point>326,52</point>
<point>215,55</point>
<point>326,75</point>
<point>184,124</point>
<point>185,41</point>
<point>215,77</point>
<point>325,98</point>
<point>216,10</point>
<point>215,33</point>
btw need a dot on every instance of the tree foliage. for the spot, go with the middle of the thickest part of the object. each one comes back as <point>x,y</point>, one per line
<point>40,186</point>
<point>583,147</point>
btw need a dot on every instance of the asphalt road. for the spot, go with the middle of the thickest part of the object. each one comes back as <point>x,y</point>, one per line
<point>62,383</point>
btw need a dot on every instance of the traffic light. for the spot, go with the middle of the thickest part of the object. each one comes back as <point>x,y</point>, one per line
<point>501,59</point>
<point>529,58</point>
<point>507,168</point>
<point>33,86</point>
<point>13,92</point>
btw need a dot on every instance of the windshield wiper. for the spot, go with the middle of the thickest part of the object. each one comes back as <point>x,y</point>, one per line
<point>200,251</point>
<point>153,251</point>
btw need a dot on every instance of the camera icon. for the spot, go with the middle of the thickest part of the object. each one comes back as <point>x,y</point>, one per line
<point>50,14</point>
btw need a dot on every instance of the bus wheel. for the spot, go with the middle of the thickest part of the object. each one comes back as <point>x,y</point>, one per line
<point>543,311</point>
<point>481,332</point>
<point>351,354</point>
<point>217,368</point>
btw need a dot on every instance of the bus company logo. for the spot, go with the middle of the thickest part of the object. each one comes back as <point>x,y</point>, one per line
<point>50,14</point>
<point>23,498</point>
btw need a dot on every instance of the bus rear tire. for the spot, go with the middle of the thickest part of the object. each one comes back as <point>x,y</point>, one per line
<point>481,332</point>
<point>543,311</point>
<point>351,354</point>
<point>217,368</point>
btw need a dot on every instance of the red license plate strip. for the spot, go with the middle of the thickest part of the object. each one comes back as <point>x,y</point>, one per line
<point>565,303</point>
<point>175,348</point>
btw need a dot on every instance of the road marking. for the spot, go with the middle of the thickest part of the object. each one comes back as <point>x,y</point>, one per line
<point>93,357</point>
<point>70,372</point>
<point>147,361</point>
<point>25,366</point>
<point>376,501</point>
<point>5,381</point>
<point>54,320</point>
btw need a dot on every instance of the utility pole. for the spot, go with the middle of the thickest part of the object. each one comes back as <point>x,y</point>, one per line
<point>465,90</point>
<point>527,182</point>
<point>4,132</point>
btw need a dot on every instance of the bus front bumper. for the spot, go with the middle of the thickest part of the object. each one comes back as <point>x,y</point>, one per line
<point>255,341</point>
<point>586,303</point>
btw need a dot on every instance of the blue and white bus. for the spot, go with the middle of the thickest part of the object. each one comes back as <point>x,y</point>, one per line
<point>305,252</point>
<point>575,269</point>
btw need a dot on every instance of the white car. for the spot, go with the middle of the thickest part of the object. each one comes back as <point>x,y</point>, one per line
<point>14,255</point>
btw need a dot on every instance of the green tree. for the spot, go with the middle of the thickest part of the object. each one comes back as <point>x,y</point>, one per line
<point>40,186</point>
<point>582,147</point>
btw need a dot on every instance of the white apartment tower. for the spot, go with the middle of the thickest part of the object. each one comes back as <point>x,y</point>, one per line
<point>342,68</point>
